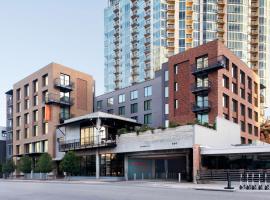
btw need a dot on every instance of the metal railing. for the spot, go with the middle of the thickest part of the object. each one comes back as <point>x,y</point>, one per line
<point>205,86</point>
<point>235,175</point>
<point>93,142</point>
<point>65,84</point>
<point>56,99</point>
<point>201,106</point>
<point>211,65</point>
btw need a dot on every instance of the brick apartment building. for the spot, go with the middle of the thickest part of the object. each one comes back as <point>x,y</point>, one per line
<point>43,100</point>
<point>210,81</point>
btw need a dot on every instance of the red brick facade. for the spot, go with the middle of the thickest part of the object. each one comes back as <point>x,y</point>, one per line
<point>241,105</point>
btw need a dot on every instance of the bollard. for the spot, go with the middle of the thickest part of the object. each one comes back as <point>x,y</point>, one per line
<point>253,187</point>
<point>179,177</point>
<point>229,184</point>
<point>247,186</point>
<point>266,186</point>
<point>260,185</point>
<point>241,183</point>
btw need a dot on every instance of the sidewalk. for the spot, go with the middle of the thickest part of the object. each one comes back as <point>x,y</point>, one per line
<point>138,183</point>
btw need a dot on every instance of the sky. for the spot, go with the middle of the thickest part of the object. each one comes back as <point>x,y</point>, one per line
<point>34,33</point>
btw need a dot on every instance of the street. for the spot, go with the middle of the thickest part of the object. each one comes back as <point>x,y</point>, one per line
<point>114,191</point>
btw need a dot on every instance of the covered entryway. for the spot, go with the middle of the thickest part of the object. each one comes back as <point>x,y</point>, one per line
<point>161,165</point>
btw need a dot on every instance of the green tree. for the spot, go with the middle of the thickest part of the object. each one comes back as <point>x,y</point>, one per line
<point>44,164</point>
<point>25,164</point>
<point>70,163</point>
<point>8,167</point>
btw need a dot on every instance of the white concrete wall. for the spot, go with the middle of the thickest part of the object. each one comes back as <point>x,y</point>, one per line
<point>226,133</point>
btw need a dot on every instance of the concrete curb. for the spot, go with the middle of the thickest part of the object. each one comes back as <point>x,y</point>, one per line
<point>215,189</point>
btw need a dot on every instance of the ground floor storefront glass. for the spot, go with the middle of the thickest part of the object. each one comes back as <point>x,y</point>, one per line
<point>110,165</point>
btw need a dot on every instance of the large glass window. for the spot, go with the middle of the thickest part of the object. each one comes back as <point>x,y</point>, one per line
<point>121,110</point>
<point>110,101</point>
<point>134,95</point>
<point>134,108</point>
<point>202,118</point>
<point>148,91</point>
<point>148,118</point>
<point>147,105</point>
<point>202,62</point>
<point>121,98</point>
<point>111,165</point>
<point>64,79</point>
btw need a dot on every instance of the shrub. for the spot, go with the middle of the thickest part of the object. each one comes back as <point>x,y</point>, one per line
<point>44,164</point>
<point>70,163</point>
<point>8,167</point>
<point>25,164</point>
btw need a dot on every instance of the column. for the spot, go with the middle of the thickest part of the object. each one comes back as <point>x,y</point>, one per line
<point>196,161</point>
<point>97,164</point>
<point>126,166</point>
<point>187,166</point>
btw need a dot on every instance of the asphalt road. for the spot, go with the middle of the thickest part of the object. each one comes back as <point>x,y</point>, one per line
<point>114,191</point>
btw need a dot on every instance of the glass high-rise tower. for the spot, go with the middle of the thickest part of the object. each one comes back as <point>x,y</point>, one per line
<point>141,34</point>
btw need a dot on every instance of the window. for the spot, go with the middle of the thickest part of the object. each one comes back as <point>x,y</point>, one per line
<point>99,104</point>
<point>45,80</point>
<point>134,95</point>
<point>26,104</point>
<point>45,128</point>
<point>202,82</point>
<point>249,141</point>
<point>175,69</point>
<point>35,100</point>
<point>18,150</point>
<point>35,130</point>
<point>26,133</point>
<point>121,110</point>
<point>202,118</point>
<point>225,82</point>
<point>234,71</point>
<point>249,98</point>
<point>249,113</point>
<point>35,115</point>
<point>147,105</point>
<point>134,108</point>
<point>202,62</point>
<point>175,86</point>
<point>121,98</point>
<point>250,129</point>
<point>18,94</point>
<point>243,126</point>
<point>26,90</point>
<point>44,95</point>
<point>166,75</point>
<point>243,110</point>
<point>176,104</point>
<point>18,134</point>
<point>234,88</point>
<point>166,91</point>
<point>26,118</point>
<point>235,105</point>
<point>256,131</point>
<point>249,83</point>
<point>242,77</point>
<point>166,109</point>
<point>225,101</point>
<point>148,91</point>
<point>242,93</point>
<point>243,140</point>
<point>18,107</point>
<point>18,121</point>
<point>256,117</point>
<point>148,119</point>
<point>35,86</point>
<point>110,101</point>
<point>64,79</point>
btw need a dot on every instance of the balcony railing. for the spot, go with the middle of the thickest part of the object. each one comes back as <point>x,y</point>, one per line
<point>212,65</point>
<point>91,143</point>
<point>201,106</point>
<point>56,99</point>
<point>204,88</point>
<point>65,85</point>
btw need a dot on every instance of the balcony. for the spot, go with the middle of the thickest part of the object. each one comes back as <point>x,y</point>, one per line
<point>201,107</point>
<point>134,7</point>
<point>91,143</point>
<point>9,115</point>
<point>56,99</point>
<point>201,89</point>
<point>212,65</point>
<point>64,85</point>
<point>147,6</point>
